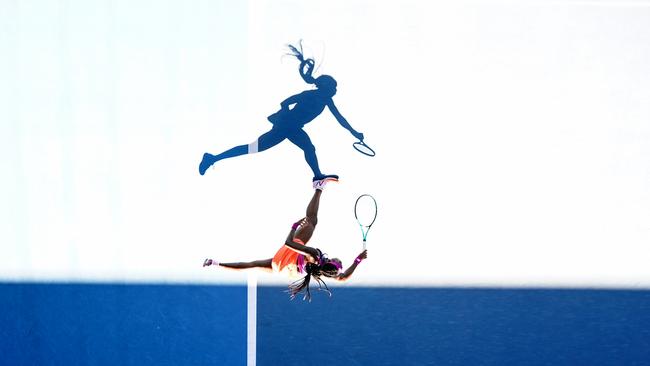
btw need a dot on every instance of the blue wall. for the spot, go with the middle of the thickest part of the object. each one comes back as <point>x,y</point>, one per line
<point>83,324</point>
<point>392,326</point>
<point>109,324</point>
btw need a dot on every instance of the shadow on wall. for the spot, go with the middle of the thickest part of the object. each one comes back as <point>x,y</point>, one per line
<point>295,112</point>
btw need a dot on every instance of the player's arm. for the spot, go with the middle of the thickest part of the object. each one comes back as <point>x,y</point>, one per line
<point>348,272</point>
<point>309,252</point>
<point>291,233</point>
<point>342,121</point>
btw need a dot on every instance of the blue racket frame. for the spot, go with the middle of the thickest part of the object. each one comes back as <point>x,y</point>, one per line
<point>360,146</point>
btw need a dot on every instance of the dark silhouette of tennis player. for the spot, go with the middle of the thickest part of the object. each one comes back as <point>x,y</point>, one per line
<point>295,112</point>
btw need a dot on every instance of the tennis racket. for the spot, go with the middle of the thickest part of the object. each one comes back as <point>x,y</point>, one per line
<point>361,147</point>
<point>365,211</point>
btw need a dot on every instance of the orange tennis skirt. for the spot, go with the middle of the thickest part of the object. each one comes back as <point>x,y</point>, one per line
<point>289,261</point>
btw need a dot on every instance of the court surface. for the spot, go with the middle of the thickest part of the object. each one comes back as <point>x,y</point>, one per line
<point>118,324</point>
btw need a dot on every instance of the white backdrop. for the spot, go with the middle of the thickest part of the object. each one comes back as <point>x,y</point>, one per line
<point>512,139</point>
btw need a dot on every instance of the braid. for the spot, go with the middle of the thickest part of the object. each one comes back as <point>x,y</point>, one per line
<point>306,65</point>
<point>315,271</point>
<point>298,286</point>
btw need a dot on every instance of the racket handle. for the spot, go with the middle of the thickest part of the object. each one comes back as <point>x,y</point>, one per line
<point>364,245</point>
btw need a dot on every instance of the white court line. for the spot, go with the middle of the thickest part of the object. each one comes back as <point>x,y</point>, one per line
<point>251,355</point>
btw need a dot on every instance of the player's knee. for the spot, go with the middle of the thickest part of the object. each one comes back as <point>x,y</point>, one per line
<point>253,147</point>
<point>313,220</point>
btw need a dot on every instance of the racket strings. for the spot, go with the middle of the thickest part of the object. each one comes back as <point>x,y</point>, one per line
<point>365,211</point>
<point>363,148</point>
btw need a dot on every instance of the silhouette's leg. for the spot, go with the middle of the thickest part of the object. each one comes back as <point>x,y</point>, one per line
<point>264,142</point>
<point>302,140</point>
<point>267,141</point>
<point>231,153</point>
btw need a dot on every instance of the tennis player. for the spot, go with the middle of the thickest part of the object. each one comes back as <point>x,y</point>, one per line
<point>296,258</point>
<point>295,112</point>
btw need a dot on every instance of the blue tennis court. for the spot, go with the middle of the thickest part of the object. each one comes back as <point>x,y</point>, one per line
<point>120,324</point>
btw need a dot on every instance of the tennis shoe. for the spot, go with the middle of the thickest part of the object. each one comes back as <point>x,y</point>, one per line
<point>210,262</point>
<point>206,162</point>
<point>320,184</point>
<point>324,176</point>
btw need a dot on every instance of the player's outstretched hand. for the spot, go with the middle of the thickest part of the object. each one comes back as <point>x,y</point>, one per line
<point>363,255</point>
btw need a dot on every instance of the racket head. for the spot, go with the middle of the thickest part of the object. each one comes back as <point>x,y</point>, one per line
<point>365,210</point>
<point>361,147</point>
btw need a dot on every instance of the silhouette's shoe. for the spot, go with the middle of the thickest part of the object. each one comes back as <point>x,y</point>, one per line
<point>206,162</point>
<point>320,184</point>
<point>325,176</point>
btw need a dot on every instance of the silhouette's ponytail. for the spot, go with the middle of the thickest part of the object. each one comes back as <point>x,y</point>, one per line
<point>306,65</point>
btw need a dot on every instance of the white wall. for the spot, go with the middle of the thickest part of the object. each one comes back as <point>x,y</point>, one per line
<point>511,137</point>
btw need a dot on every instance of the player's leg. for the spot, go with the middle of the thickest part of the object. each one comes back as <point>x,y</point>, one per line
<point>306,229</point>
<point>263,263</point>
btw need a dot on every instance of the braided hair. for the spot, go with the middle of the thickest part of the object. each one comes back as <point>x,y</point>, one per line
<point>306,65</point>
<point>324,267</point>
<point>307,68</point>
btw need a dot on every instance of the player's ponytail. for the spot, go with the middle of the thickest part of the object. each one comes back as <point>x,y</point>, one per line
<point>327,269</point>
<point>306,65</point>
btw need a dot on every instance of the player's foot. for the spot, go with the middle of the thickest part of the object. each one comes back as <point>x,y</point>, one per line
<point>210,262</point>
<point>320,184</point>
<point>324,176</point>
<point>206,162</point>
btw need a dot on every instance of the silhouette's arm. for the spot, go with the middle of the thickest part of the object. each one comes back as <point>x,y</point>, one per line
<point>339,117</point>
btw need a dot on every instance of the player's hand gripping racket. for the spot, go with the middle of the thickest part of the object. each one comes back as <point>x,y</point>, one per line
<point>365,211</point>
<point>361,147</point>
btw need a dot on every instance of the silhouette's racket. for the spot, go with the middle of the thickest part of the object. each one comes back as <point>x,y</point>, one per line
<point>361,147</point>
<point>365,211</point>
